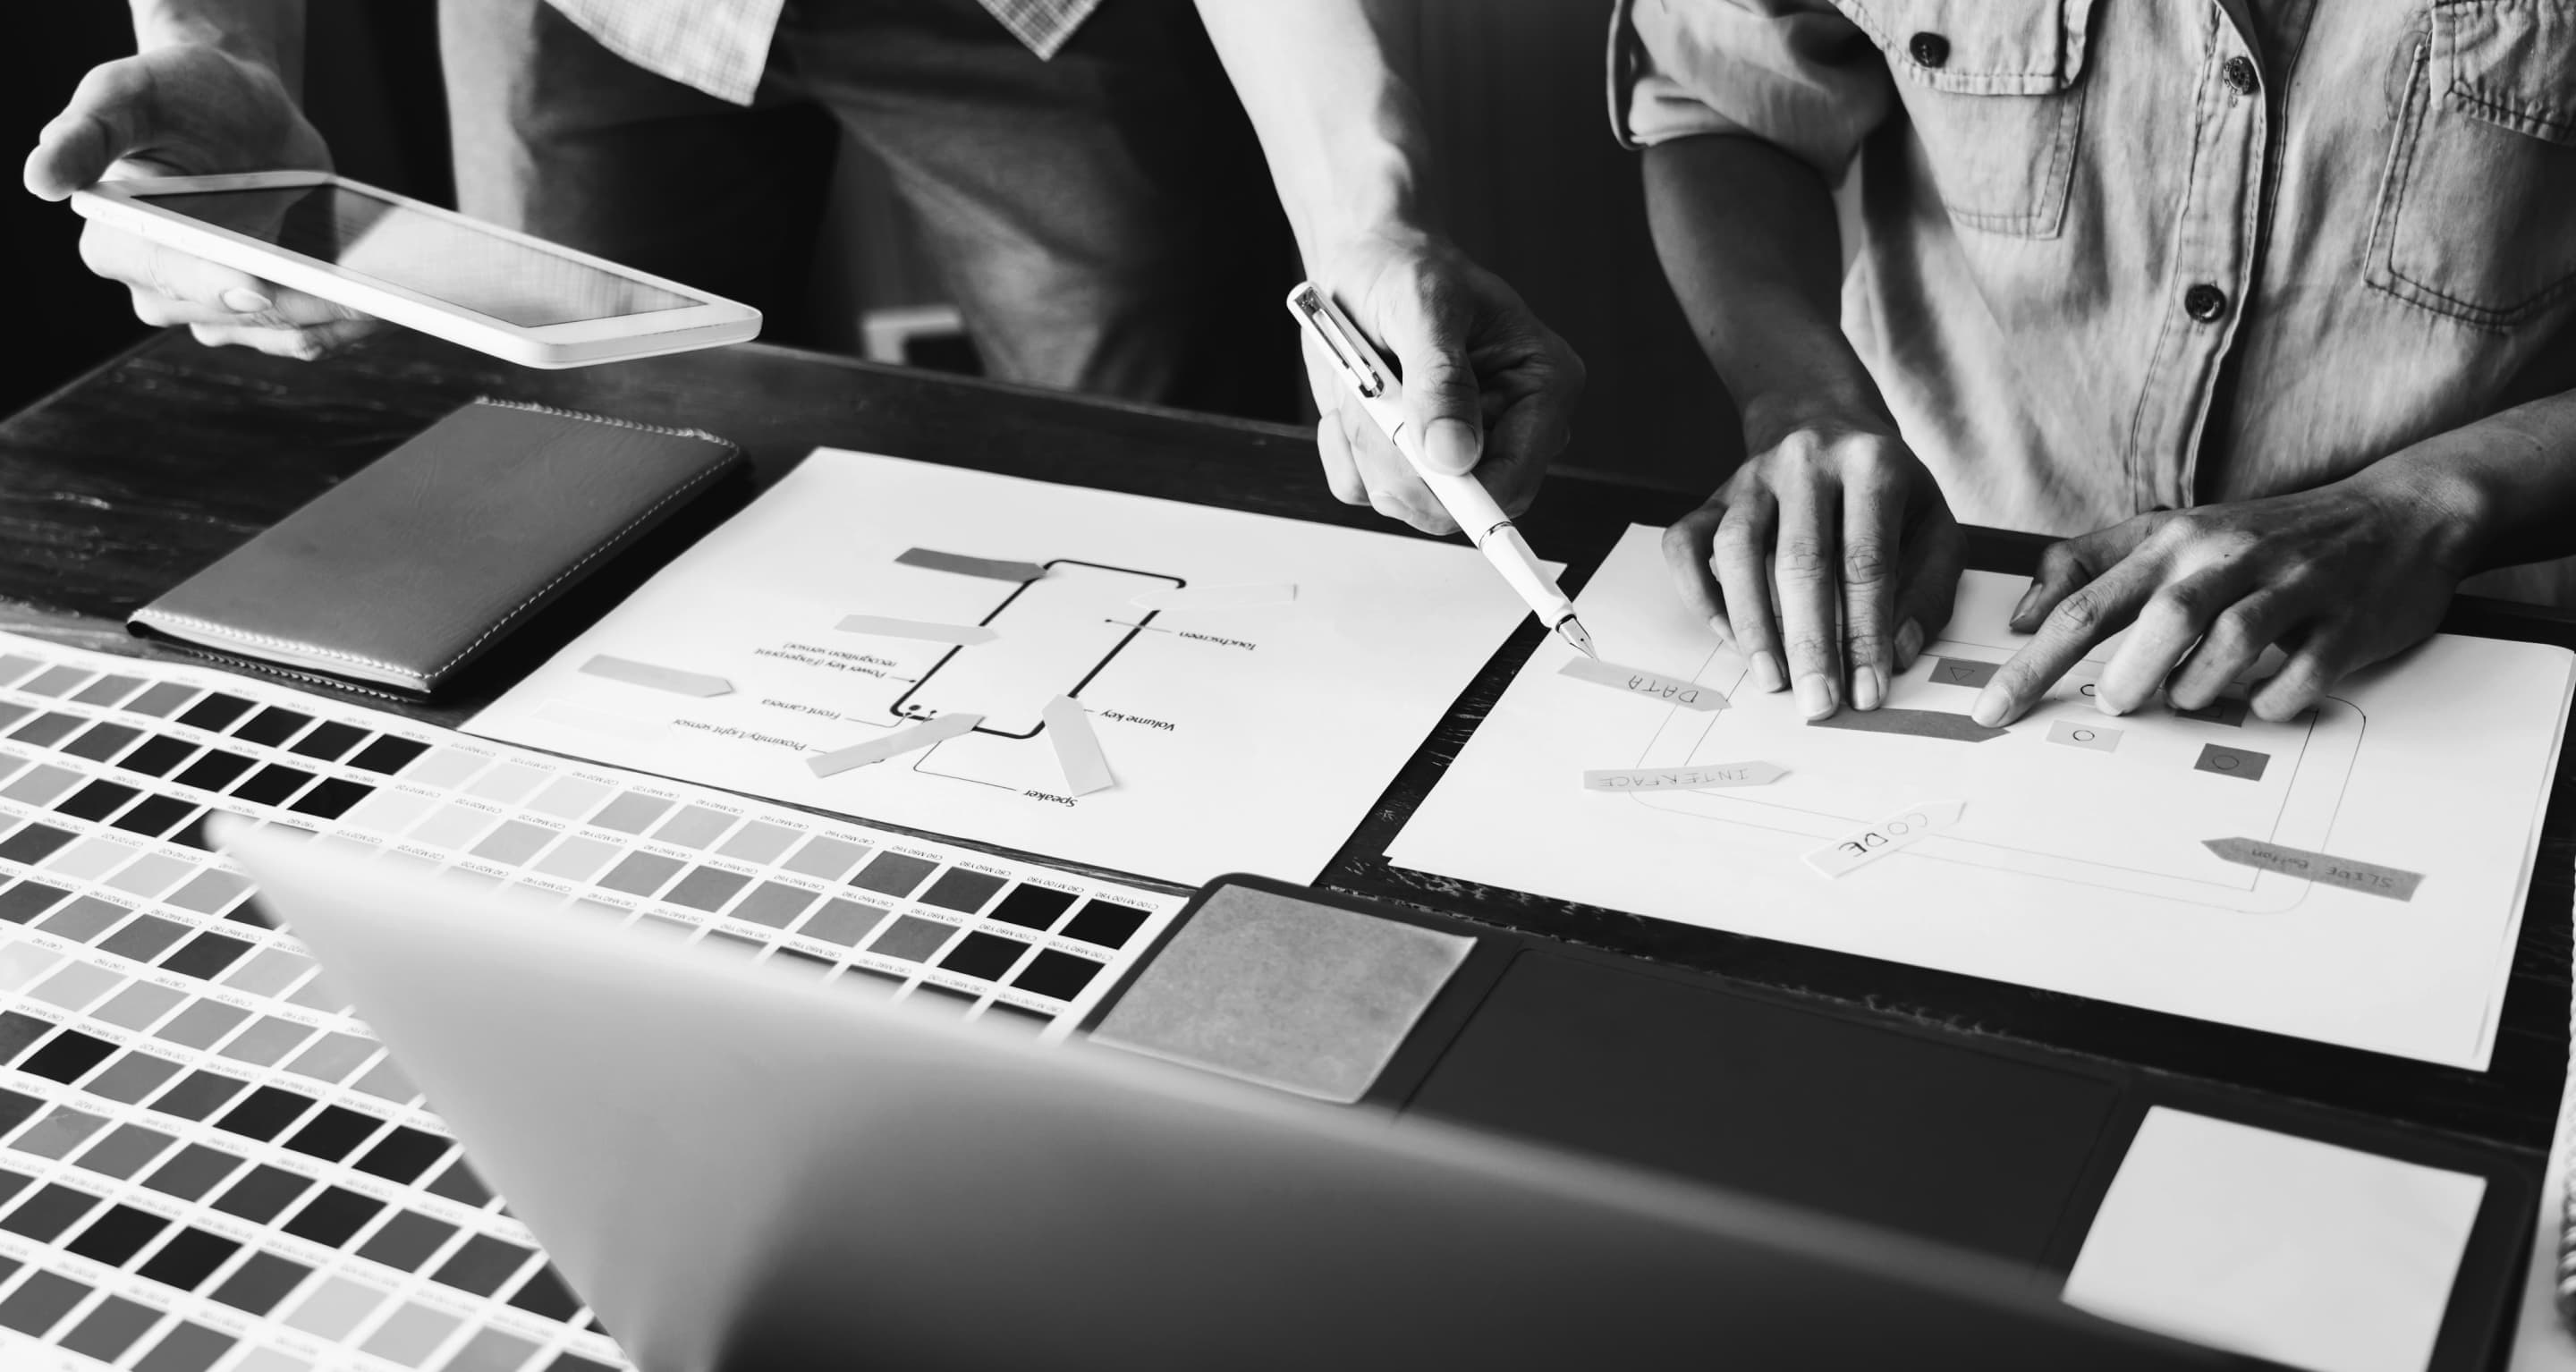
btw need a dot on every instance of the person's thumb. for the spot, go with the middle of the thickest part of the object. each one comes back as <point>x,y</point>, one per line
<point>1428,335</point>
<point>107,117</point>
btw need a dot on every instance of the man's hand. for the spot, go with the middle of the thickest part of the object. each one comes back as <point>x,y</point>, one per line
<point>189,110</point>
<point>2337,577</point>
<point>1830,551</point>
<point>1491,389</point>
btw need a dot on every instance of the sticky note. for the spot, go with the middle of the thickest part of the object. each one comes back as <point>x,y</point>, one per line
<point>895,744</point>
<point>2305,1253</point>
<point>1690,695</point>
<point>656,677</point>
<point>2099,737</point>
<point>1878,840</point>
<point>914,628</point>
<point>1713,776</point>
<point>2242,763</point>
<point>2227,710</point>
<point>963,565</point>
<point>1216,597</point>
<point>1294,994</point>
<point>1077,748</point>
<point>1919,723</point>
<point>2369,878</point>
<point>1962,671</point>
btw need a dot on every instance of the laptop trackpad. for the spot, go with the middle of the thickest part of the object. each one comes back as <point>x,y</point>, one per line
<point>1970,1148</point>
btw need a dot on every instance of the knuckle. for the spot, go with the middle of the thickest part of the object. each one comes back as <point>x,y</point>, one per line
<point>2181,605</point>
<point>2080,614</point>
<point>1868,561</point>
<point>1802,556</point>
<point>2059,560</point>
<point>1808,646</point>
<point>2233,630</point>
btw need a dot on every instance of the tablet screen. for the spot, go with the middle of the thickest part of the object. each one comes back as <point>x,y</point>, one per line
<point>434,256</point>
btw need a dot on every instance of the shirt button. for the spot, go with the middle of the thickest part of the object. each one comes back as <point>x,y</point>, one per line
<point>1929,49</point>
<point>2240,74</point>
<point>2205,303</point>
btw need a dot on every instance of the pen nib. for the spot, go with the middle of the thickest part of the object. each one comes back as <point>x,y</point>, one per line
<point>1572,629</point>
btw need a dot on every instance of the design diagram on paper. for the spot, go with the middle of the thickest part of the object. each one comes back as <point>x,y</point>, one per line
<point>1251,683</point>
<point>2066,793</point>
<point>2381,851</point>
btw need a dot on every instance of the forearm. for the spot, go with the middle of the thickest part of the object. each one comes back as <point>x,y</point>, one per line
<point>269,32</point>
<point>2502,490</point>
<point>1340,128</point>
<point>1748,239</point>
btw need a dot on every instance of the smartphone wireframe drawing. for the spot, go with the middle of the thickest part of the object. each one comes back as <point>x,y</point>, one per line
<point>1051,637</point>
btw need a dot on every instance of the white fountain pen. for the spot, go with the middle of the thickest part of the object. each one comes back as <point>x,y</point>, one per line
<point>1466,498</point>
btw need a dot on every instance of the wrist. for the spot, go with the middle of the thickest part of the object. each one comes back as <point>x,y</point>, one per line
<point>2449,516</point>
<point>1830,399</point>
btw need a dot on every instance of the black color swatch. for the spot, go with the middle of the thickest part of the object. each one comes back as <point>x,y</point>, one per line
<point>546,1296</point>
<point>70,1055</point>
<point>154,816</point>
<point>403,1154</point>
<point>189,1259</point>
<point>214,771</point>
<point>157,755</point>
<point>983,956</point>
<point>333,1133</point>
<point>272,726</point>
<point>330,1218</point>
<point>1060,975</point>
<point>96,801</point>
<point>263,1113</point>
<point>215,711</point>
<point>118,1235</point>
<point>332,798</point>
<point>271,784</point>
<point>1031,907</point>
<point>1108,925</point>
<point>328,740</point>
<point>481,1265</point>
<point>388,755</point>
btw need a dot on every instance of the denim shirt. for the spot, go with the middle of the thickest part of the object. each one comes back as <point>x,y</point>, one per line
<point>2116,255</point>
<point>722,46</point>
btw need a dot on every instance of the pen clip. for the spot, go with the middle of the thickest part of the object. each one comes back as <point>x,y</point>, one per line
<point>1327,324</point>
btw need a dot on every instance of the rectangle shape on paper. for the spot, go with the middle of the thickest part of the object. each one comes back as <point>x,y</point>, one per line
<point>1293,994</point>
<point>1077,747</point>
<point>1050,637</point>
<point>1899,830</point>
<point>2305,1253</point>
<point>997,569</point>
<point>2369,878</point>
<point>926,632</point>
<point>1690,695</point>
<point>654,676</point>
<point>1707,777</point>
<point>896,744</point>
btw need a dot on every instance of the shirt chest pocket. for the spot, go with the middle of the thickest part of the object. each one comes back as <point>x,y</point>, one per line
<point>1992,89</point>
<point>2477,208</point>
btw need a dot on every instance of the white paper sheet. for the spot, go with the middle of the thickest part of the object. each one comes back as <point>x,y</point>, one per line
<point>2279,1247</point>
<point>2072,868</point>
<point>1242,738</point>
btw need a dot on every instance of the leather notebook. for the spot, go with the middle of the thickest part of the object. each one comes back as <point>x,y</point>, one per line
<point>405,572</point>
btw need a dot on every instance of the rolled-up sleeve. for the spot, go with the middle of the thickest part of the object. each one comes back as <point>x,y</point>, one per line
<point>1791,72</point>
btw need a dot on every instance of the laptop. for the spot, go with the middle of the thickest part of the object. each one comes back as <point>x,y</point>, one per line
<point>738,1168</point>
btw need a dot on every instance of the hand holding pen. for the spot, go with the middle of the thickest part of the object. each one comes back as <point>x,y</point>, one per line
<point>1471,507</point>
<point>1491,389</point>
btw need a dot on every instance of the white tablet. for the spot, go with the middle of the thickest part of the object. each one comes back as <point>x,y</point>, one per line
<point>420,266</point>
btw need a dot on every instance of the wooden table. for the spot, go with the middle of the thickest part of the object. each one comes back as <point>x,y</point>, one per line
<point>126,481</point>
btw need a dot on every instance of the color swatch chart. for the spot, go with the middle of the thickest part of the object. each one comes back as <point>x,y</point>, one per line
<point>207,1165</point>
